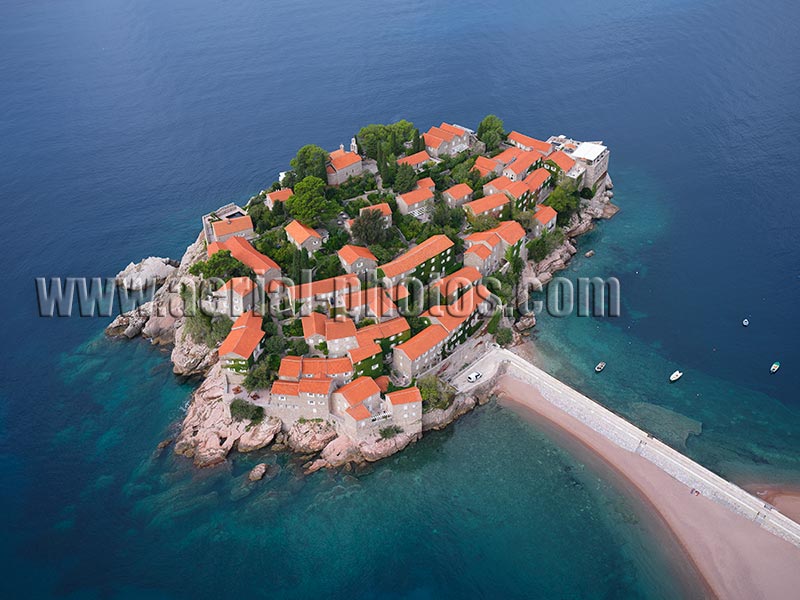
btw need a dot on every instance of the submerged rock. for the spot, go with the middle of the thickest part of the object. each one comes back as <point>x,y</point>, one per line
<point>257,473</point>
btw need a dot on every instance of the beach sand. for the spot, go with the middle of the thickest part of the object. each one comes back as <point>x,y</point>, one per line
<point>736,557</point>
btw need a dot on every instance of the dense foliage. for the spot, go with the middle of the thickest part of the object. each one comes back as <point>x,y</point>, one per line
<point>309,162</point>
<point>490,132</point>
<point>242,410</point>
<point>309,205</point>
<point>221,265</point>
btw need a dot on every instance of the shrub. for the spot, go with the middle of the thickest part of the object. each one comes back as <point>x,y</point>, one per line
<point>504,336</point>
<point>243,410</point>
<point>293,329</point>
<point>435,393</point>
<point>390,431</point>
<point>494,322</point>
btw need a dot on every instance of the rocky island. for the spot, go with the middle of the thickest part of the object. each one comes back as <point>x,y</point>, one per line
<point>328,316</point>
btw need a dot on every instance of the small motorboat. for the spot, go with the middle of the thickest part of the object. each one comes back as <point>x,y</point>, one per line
<point>600,366</point>
<point>675,376</point>
<point>775,366</point>
<point>746,322</point>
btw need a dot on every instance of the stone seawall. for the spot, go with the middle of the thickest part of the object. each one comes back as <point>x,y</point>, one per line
<point>629,437</point>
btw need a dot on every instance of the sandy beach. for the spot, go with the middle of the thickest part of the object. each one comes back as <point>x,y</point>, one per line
<point>736,557</point>
<point>786,500</point>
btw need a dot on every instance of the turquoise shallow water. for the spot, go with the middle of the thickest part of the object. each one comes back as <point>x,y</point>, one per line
<point>122,122</point>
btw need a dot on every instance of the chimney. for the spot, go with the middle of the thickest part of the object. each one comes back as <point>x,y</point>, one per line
<point>341,147</point>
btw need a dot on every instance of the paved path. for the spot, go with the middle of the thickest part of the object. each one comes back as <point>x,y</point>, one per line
<point>631,438</point>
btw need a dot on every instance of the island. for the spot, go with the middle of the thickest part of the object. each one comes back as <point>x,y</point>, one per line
<point>329,314</point>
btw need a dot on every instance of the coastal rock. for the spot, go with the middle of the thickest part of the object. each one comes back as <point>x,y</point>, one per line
<point>341,451</point>
<point>130,324</point>
<point>440,418</point>
<point>152,271</point>
<point>525,323</point>
<point>309,437</point>
<point>189,357</point>
<point>259,435</point>
<point>208,432</point>
<point>157,319</point>
<point>378,448</point>
<point>589,254</point>
<point>610,210</point>
<point>583,226</point>
<point>257,473</point>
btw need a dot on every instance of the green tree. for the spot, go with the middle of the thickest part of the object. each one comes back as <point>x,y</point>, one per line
<point>221,264</point>
<point>309,204</point>
<point>310,162</point>
<point>369,228</point>
<point>259,377</point>
<point>391,137</point>
<point>565,200</point>
<point>328,266</point>
<point>483,222</point>
<point>405,179</point>
<point>490,131</point>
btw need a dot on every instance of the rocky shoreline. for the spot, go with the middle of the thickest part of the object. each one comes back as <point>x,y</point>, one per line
<point>209,432</point>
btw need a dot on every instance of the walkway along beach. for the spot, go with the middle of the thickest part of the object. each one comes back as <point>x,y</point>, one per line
<point>742,546</point>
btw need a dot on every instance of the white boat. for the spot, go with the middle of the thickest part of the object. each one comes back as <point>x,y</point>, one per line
<point>775,366</point>
<point>746,322</point>
<point>600,366</point>
<point>675,376</point>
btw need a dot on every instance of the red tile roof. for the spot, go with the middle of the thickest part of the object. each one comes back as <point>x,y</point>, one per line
<point>426,182</point>
<point>350,254</point>
<point>523,162</point>
<point>363,352</point>
<point>300,233</point>
<point>383,208</point>
<point>382,382</point>
<point>464,277</point>
<point>416,196</point>
<point>285,388</point>
<point>517,190</point>
<point>454,129</point>
<point>229,226</point>
<point>458,191</point>
<point>359,390</point>
<point>244,252</point>
<point>545,214</point>
<point>315,386</point>
<point>451,316</point>
<point>498,183</point>
<point>244,337</point>
<point>341,159</point>
<point>240,285</point>
<point>291,367</point>
<point>486,204</point>
<point>537,179</point>
<point>339,284</point>
<point>507,155</point>
<point>562,159</point>
<point>280,195</point>
<point>484,165</point>
<point>339,328</point>
<point>480,250</point>
<point>422,342</point>
<point>406,396</point>
<point>411,259</point>
<point>415,159</point>
<point>359,412</point>
<point>529,142</point>
<point>313,324</point>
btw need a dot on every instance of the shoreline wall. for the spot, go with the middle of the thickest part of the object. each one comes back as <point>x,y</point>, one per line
<point>629,437</point>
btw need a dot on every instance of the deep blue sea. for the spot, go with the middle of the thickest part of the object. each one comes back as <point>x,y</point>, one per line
<point>121,122</point>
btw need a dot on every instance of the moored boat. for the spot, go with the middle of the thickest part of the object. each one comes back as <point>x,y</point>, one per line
<point>775,366</point>
<point>675,376</point>
<point>746,322</point>
<point>600,366</point>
